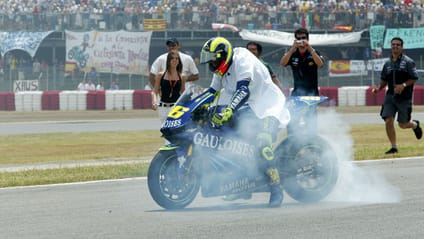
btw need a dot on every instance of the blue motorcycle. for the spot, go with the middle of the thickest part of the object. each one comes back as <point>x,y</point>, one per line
<point>225,160</point>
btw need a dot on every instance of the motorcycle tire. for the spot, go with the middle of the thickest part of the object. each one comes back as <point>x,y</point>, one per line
<point>308,167</point>
<point>168,188</point>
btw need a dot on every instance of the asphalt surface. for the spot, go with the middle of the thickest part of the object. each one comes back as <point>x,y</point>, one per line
<point>380,199</point>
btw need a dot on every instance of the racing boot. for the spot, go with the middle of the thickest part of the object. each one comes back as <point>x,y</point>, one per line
<point>276,197</point>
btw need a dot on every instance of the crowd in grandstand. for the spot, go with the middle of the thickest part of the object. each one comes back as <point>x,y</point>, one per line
<point>199,14</point>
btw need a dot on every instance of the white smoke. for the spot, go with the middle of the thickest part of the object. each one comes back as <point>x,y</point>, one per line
<point>355,184</point>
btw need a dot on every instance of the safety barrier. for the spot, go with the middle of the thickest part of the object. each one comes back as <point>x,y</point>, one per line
<point>7,101</point>
<point>141,99</point>
<point>331,93</point>
<point>72,100</point>
<point>419,95</point>
<point>119,99</point>
<point>28,102</point>
<point>352,96</point>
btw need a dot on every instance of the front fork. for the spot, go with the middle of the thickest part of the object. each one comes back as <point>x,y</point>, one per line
<point>183,157</point>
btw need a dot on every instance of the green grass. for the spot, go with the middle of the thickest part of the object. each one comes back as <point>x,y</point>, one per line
<point>58,147</point>
<point>67,175</point>
<point>370,142</point>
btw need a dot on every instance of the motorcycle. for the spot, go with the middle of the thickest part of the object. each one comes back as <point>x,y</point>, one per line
<point>223,161</point>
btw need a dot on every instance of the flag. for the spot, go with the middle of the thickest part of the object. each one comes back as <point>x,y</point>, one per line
<point>340,66</point>
<point>343,28</point>
<point>70,66</point>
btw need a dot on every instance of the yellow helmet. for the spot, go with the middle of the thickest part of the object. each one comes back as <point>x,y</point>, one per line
<point>218,52</point>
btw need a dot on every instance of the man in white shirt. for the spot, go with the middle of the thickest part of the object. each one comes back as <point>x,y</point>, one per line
<point>91,85</point>
<point>82,85</point>
<point>100,86</point>
<point>189,67</point>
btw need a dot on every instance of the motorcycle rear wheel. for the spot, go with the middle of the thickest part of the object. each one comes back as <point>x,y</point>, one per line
<point>309,167</point>
<point>168,188</point>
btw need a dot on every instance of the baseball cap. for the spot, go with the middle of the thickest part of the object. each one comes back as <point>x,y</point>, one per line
<point>172,40</point>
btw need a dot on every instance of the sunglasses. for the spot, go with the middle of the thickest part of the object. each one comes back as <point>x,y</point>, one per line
<point>396,44</point>
<point>301,38</point>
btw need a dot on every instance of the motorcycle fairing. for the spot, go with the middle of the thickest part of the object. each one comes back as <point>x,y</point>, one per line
<point>296,103</point>
<point>168,147</point>
<point>227,172</point>
<point>181,114</point>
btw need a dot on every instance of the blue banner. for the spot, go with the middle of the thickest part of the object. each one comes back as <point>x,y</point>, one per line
<point>25,41</point>
<point>377,35</point>
<point>413,38</point>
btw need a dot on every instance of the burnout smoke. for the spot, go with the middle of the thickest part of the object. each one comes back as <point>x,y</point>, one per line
<point>355,184</point>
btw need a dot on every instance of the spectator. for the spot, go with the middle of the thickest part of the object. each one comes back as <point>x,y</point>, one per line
<point>304,61</point>
<point>168,85</point>
<point>86,15</point>
<point>256,49</point>
<point>92,74</point>
<point>378,52</point>
<point>36,69</point>
<point>82,85</point>
<point>100,86</point>
<point>91,85</point>
<point>114,86</point>
<point>189,70</point>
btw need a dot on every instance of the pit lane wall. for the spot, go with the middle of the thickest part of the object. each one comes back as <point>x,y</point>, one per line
<point>141,99</point>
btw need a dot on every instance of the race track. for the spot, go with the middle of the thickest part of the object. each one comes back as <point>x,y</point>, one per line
<point>373,199</point>
<point>387,203</point>
<point>44,125</point>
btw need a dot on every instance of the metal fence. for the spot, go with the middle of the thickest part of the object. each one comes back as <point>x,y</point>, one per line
<point>55,78</point>
<point>120,19</point>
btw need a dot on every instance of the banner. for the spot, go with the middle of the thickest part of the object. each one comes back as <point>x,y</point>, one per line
<point>154,24</point>
<point>413,38</point>
<point>377,35</point>
<point>376,64</point>
<point>287,38</point>
<point>118,52</point>
<point>347,68</point>
<point>25,41</point>
<point>25,85</point>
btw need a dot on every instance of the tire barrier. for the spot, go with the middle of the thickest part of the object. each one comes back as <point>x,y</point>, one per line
<point>141,99</point>
<point>7,101</point>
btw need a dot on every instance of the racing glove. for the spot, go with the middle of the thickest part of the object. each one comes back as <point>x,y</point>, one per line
<point>238,99</point>
<point>220,118</point>
<point>215,95</point>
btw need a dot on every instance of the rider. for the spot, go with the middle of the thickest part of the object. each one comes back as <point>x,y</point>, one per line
<point>246,88</point>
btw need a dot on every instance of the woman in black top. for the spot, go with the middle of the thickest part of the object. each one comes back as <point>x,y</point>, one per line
<point>168,85</point>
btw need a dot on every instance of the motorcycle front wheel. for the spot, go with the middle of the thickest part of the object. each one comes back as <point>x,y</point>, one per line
<point>309,167</point>
<point>168,187</point>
